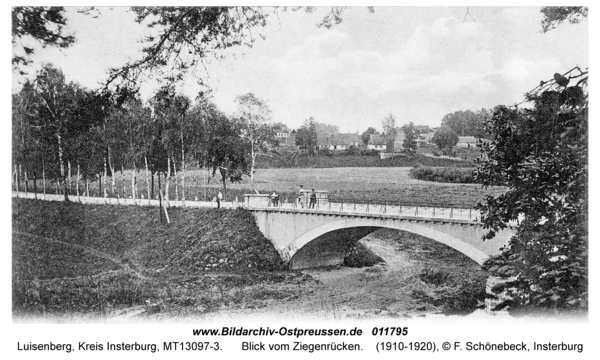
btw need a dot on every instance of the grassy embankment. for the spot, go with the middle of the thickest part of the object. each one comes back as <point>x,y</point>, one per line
<point>71,259</point>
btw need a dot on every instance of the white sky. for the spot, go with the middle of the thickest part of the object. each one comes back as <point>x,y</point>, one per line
<point>418,63</point>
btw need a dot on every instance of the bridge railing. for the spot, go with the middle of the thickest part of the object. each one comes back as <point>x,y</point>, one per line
<point>393,209</point>
<point>366,207</point>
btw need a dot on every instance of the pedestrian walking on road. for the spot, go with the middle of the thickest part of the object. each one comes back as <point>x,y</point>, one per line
<point>219,198</point>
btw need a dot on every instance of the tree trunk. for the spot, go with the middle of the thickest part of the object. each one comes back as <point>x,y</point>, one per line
<point>176,187</point>
<point>17,176</point>
<point>104,180</point>
<point>134,182</point>
<point>168,179</point>
<point>35,184</point>
<point>224,178</point>
<point>253,158</point>
<point>99,184</point>
<point>44,176</point>
<point>112,180</point>
<point>123,181</point>
<point>62,166</point>
<point>159,198</point>
<point>70,177</point>
<point>78,174</point>
<point>26,184</point>
<point>87,187</point>
<point>182,178</point>
<point>16,179</point>
<point>152,185</point>
<point>147,180</point>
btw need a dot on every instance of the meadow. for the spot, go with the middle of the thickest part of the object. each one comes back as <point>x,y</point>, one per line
<point>392,185</point>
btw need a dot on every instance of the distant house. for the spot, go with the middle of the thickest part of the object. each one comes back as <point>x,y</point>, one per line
<point>428,137</point>
<point>339,141</point>
<point>466,141</point>
<point>398,143</point>
<point>376,142</point>
<point>282,135</point>
<point>286,138</point>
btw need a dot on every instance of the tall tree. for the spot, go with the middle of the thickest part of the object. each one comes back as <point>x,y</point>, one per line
<point>255,114</point>
<point>306,136</point>
<point>466,123</point>
<point>540,155</point>
<point>410,137</point>
<point>389,131</point>
<point>366,135</point>
<point>445,139</point>
<point>225,149</point>
<point>54,108</point>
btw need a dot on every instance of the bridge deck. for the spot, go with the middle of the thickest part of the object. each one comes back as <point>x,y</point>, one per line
<point>384,210</point>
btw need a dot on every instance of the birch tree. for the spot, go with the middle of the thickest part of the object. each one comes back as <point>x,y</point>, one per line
<point>254,115</point>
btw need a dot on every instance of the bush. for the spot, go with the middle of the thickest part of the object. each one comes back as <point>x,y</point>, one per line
<point>447,175</point>
<point>361,256</point>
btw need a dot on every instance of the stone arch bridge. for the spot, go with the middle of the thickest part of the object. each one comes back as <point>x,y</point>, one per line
<point>319,237</point>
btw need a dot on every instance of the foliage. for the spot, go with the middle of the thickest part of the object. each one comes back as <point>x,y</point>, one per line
<point>325,130</point>
<point>366,158</point>
<point>185,36</point>
<point>366,135</point>
<point>306,137</point>
<point>467,123</point>
<point>254,114</point>
<point>389,130</point>
<point>46,25</point>
<point>225,149</point>
<point>555,15</point>
<point>446,175</point>
<point>410,138</point>
<point>445,139</point>
<point>540,154</point>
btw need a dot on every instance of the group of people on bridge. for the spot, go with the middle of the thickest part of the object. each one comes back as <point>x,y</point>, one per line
<point>301,199</point>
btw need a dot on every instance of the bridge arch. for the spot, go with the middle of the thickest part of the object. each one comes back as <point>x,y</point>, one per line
<point>357,228</point>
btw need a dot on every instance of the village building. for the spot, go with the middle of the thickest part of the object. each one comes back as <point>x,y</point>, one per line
<point>339,141</point>
<point>466,141</point>
<point>376,142</point>
<point>286,138</point>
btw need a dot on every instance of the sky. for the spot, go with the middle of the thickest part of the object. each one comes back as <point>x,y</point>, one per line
<point>417,63</point>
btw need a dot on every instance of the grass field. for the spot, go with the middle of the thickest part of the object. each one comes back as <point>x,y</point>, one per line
<point>370,184</point>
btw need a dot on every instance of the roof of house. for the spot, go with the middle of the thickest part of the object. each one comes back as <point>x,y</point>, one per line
<point>376,139</point>
<point>467,139</point>
<point>339,139</point>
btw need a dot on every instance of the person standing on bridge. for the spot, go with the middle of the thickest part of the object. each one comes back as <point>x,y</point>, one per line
<point>301,196</point>
<point>219,198</point>
<point>313,199</point>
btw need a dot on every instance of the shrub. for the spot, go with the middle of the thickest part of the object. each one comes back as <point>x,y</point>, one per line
<point>447,175</point>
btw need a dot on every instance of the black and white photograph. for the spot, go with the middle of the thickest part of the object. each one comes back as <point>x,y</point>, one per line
<point>251,168</point>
